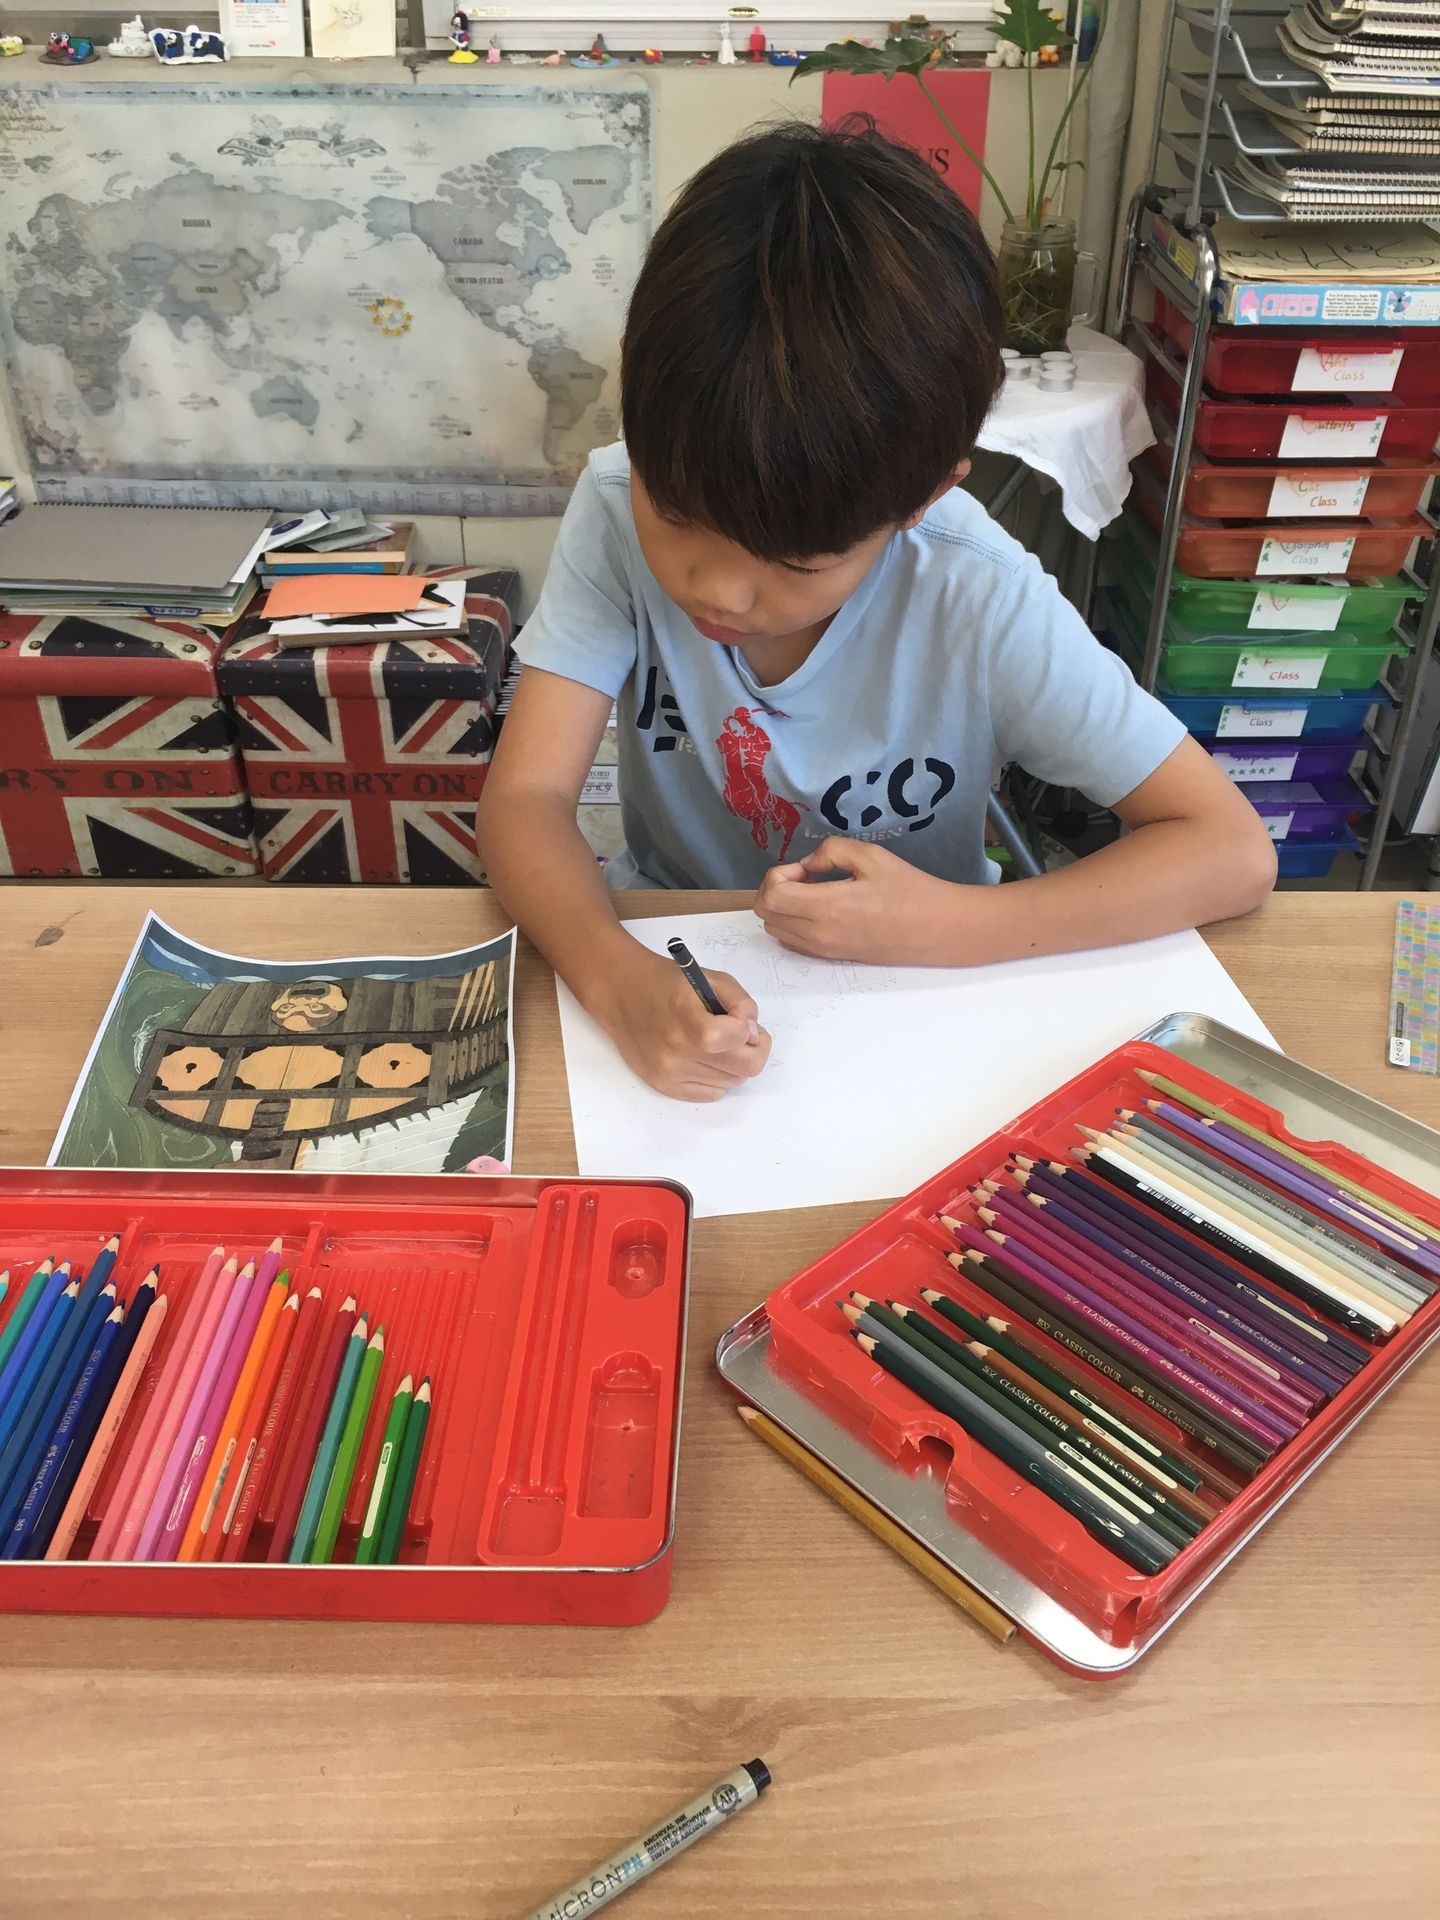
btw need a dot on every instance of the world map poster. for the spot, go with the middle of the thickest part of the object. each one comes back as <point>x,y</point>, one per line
<point>405,298</point>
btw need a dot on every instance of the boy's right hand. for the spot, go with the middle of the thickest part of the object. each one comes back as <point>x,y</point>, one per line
<point>669,1039</point>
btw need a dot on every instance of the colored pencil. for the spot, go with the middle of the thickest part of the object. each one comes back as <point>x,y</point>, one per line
<point>386,1461</point>
<point>4,1284</point>
<point>328,1444</point>
<point>267,1267</point>
<point>52,1339</point>
<point>925,1563</point>
<point>337,1490</point>
<point>1004,1336</point>
<point>186,1293</point>
<point>274,1298</point>
<point>397,1507</point>
<point>57,1284</point>
<point>26,1446</point>
<point>1198,1104</point>
<point>24,1306</point>
<point>180,1484</point>
<point>119,1537</point>
<point>56,1442</point>
<point>104,1263</point>
<point>111,1419</point>
<point>1338,1349</point>
<point>1338,1245</point>
<point>967,1372</point>
<point>1132,1541</point>
<point>273,1401</point>
<point>292,1471</point>
<point>1130,1175</point>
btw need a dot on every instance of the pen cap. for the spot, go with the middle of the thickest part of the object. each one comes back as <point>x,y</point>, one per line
<point>759,1773</point>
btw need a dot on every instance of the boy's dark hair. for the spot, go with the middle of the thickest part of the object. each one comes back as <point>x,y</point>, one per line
<point>812,344</point>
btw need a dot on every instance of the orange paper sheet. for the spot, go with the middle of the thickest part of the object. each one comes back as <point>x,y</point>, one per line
<point>331,593</point>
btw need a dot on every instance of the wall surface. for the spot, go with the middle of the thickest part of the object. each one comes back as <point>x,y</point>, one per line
<point>699,110</point>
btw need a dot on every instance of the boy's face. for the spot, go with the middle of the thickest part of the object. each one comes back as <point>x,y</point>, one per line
<point>736,600</point>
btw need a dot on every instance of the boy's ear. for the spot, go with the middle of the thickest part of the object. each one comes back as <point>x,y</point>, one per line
<point>953,479</point>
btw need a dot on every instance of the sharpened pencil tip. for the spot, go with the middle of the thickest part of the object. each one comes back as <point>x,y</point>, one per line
<point>930,1294</point>
<point>947,1221</point>
<point>864,1340</point>
<point>313,1294</point>
<point>112,1245</point>
<point>860,1299</point>
<point>851,1313</point>
<point>988,1215</point>
<point>277,1245</point>
<point>424,1393</point>
<point>747,1414</point>
<point>293,1301</point>
<point>1148,1078</point>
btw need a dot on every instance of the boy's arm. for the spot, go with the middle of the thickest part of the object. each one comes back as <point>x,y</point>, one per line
<point>546,876</point>
<point>1197,851</point>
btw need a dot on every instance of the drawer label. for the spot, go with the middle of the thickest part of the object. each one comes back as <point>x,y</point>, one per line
<point>1278,825</point>
<point>1279,671</point>
<point>1303,439</point>
<point>1297,612</point>
<point>1258,766</point>
<point>601,788</point>
<point>1304,497</point>
<point>1305,556</point>
<point>1328,370</point>
<point>1281,723</point>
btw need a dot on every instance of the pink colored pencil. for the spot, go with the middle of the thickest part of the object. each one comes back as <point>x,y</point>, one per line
<point>111,1421</point>
<point>268,1265</point>
<point>185,1426</point>
<point>126,1507</point>
<point>212,1418</point>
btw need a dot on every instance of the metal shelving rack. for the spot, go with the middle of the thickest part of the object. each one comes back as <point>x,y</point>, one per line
<point>1234,43</point>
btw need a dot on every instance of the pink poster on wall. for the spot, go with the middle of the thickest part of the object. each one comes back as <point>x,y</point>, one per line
<point>902,112</point>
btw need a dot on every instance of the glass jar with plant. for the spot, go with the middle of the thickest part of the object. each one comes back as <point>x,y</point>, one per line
<point>1037,254</point>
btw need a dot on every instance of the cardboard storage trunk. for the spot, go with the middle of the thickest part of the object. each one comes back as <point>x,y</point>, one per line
<point>117,757</point>
<point>365,763</point>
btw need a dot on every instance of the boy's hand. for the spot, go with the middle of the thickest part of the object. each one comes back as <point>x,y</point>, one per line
<point>669,1039</point>
<point>882,910</point>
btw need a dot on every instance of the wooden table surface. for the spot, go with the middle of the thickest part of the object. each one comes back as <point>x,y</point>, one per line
<point>1277,1756</point>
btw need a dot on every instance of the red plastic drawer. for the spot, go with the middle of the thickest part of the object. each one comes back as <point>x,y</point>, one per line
<point>1386,490</point>
<point>1404,363</point>
<point>1289,430</point>
<point>1287,550</point>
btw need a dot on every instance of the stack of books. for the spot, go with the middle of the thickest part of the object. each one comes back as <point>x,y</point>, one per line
<point>341,542</point>
<point>167,563</point>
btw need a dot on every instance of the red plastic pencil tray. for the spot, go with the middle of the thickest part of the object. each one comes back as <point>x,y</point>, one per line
<point>550,1314</point>
<point>1058,1606</point>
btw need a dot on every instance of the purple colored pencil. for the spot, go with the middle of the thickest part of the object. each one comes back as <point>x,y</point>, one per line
<point>1285,1406</point>
<point>1157,1353</point>
<point>1332,1340</point>
<point>1230,1313</point>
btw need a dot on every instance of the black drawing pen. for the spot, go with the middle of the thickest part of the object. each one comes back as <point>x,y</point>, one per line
<point>691,968</point>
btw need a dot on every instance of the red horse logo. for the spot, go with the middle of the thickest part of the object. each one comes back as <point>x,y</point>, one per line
<point>744,748</point>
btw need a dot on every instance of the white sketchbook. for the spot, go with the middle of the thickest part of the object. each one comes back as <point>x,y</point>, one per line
<point>879,1076</point>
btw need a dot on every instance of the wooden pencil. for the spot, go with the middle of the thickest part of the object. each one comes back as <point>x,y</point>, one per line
<point>30,1509</point>
<point>382,1483</point>
<point>52,1390</point>
<point>273,1399</point>
<point>222,1452</point>
<point>22,1308</point>
<point>342,1472</point>
<point>397,1506</point>
<point>111,1420</point>
<point>327,1444</point>
<point>928,1565</point>
<point>38,1336</point>
<point>293,1469</point>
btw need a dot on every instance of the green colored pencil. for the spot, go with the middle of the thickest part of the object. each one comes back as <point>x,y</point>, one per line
<point>319,1481</point>
<point>24,1307</point>
<point>348,1452</point>
<point>397,1507</point>
<point>386,1462</point>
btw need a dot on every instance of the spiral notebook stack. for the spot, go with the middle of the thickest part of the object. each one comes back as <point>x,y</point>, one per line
<point>179,563</point>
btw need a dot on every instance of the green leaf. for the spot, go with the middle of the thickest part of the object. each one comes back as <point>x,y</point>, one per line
<point>848,56</point>
<point>1029,25</point>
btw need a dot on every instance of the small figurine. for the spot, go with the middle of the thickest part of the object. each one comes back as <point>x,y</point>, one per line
<point>200,44</point>
<point>132,43</point>
<point>555,59</point>
<point>64,51</point>
<point>492,52</point>
<point>727,45</point>
<point>11,43</point>
<point>757,46</point>
<point>598,56</point>
<point>652,56</point>
<point>464,54</point>
<point>176,49</point>
<point>790,58</point>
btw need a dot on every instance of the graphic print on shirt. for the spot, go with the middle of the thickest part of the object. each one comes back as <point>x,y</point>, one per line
<point>744,748</point>
<point>845,804</point>
<point>666,708</point>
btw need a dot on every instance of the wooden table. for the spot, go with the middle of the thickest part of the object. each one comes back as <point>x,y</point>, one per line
<point>1278,1755</point>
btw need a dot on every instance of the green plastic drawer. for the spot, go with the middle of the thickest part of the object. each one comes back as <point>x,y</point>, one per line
<point>1320,663</point>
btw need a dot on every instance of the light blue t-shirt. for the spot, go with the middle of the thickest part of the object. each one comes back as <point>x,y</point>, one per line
<point>955,655</point>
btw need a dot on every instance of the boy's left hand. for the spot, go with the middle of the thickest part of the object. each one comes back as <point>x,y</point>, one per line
<point>877,908</point>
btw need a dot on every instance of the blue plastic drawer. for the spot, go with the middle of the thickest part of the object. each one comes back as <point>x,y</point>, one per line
<point>1263,719</point>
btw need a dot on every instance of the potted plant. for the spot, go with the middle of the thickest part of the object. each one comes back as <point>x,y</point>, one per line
<point>1037,255</point>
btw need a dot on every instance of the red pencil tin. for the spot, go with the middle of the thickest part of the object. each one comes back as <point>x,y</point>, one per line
<point>550,1317</point>
<point>1066,1579</point>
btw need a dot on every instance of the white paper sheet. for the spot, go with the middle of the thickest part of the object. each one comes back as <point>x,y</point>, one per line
<point>879,1076</point>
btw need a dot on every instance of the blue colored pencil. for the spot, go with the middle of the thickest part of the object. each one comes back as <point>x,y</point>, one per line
<point>50,1338</point>
<point>308,1524</point>
<point>26,1445</point>
<point>56,1281</point>
<point>20,1314</point>
<point>55,1444</point>
<point>88,1420</point>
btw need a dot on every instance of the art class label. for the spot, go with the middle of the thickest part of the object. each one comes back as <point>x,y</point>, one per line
<point>1335,439</point>
<point>1305,556</point>
<point>1279,671</point>
<point>1257,766</point>
<point>1281,723</point>
<point>1296,612</point>
<point>1300,498</point>
<point>1278,825</point>
<point>1324,370</point>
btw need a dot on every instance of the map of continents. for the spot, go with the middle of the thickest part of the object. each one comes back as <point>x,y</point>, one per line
<point>410,297</point>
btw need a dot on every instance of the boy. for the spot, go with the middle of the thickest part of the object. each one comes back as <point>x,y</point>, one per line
<point>821,650</point>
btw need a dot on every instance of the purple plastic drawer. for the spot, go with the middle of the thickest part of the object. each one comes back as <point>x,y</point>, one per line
<point>1247,762</point>
<point>1306,809</point>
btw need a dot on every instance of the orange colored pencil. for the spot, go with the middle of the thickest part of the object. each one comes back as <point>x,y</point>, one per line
<point>202,1517</point>
<point>68,1524</point>
<point>255,1474</point>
